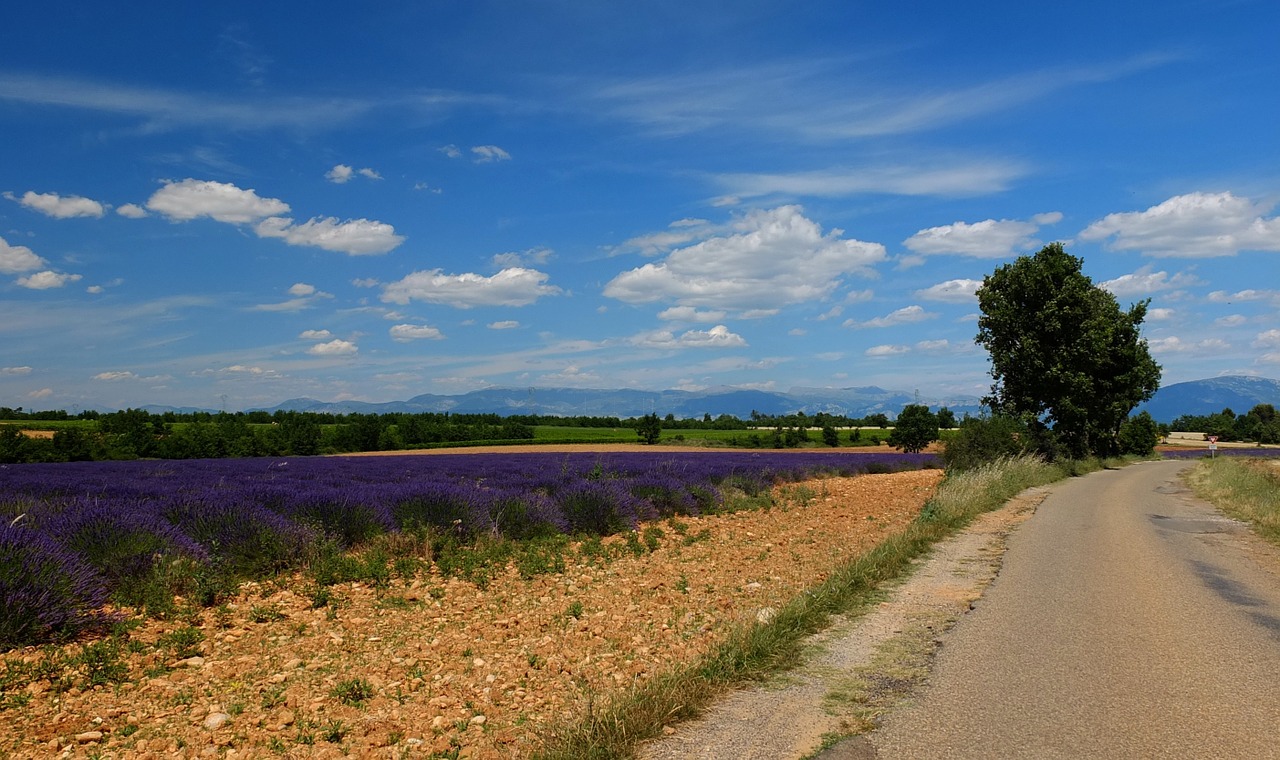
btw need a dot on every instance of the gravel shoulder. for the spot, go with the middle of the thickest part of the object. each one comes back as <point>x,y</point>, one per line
<point>858,667</point>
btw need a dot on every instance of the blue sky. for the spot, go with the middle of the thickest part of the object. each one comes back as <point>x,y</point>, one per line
<point>250,202</point>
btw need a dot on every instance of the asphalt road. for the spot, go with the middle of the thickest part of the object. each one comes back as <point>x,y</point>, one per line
<point>1130,620</point>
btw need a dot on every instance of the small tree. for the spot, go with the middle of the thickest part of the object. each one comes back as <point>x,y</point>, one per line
<point>1139,435</point>
<point>916,428</point>
<point>649,428</point>
<point>946,418</point>
<point>830,436</point>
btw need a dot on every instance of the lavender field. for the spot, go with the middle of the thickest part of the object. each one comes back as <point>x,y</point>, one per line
<point>76,535</point>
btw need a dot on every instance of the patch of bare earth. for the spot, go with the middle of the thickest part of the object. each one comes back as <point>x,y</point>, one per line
<point>485,671</point>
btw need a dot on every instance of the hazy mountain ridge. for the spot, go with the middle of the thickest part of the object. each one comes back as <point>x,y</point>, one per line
<point>1197,397</point>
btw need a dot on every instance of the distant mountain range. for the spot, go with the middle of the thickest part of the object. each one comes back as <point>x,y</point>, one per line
<point>1238,393</point>
<point>571,402</point>
<point>1198,397</point>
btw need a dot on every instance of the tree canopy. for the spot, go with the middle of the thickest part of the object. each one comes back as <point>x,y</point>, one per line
<point>1064,356</point>
<point>915,428</point>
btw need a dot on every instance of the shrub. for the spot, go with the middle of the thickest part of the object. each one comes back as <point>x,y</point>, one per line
<point>123,542</point>
<point>984,439</point>
<point>602,507</point>
<point>46,592</point>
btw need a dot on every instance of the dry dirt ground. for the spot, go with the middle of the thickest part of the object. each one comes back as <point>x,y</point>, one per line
<point>451,666</point>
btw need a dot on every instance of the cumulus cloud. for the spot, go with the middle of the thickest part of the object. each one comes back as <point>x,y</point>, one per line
<point>304,297</point>
<point>951,291</point>
<point>1160,315</point>
<point>47,279</point>
<point>886,350</point>
<point>1268,339</point>
<point>357,237</point>
<point>765,259</point>
<point>989,239</point>
<point>515,286</point>
<point>1146,281</point>
<point>506,324</point>
<point>487,154</point>
<point>114,376</point>
<point>1176,345</point>
<point>341,174</point>
<point>220,201</point>
<point>406,333</point>
<point>717,337</point>
<point>15,259</point>
<point>1195,225</point>
<point>1222,296</point>
<point>904,316</point>
<point>336,347</point>
<point>530,257</point>
<point>690,314</point>
<point>315,335</point>
<point>131,211</point>
<point>678,233</point>
<point>58,206</point>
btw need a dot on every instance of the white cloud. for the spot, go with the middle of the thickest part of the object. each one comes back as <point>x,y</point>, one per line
<point>677,233</point>
<point>487,154</point>
<point>220,201</point>
<point>131,211</point>
<point>47,279</point>
<point>767,259</point>
<point>406,333</point>
<point>41,393</point>
<point>717,337</point>
<point>451,151</point>
<point>572,376</point>
<point>1268,339</point>
<point>531,257</point>
<point>904,316</point>
<point>1160,315</point>
<point>15,259</point>
<point>336,347</point>
<point>1231,320</point>
<point>15,371</point>
<point>59,207</point>
<point>976,178</point>
<point>366,282</point>
<point>515,286</point>
<point>933,345</point>
<point>1176,345</point>
<point>506,324</point>
<point>690,314</point>
<point>339,174</point>
<point>357,237</point>
<point>886,350</point>
<point>1145,281</point>
<point>1222,296</point>
<point>951,291</point>
<point>305,296</point>
<point>315,335</point>
<point>114,376</point>
<point>1195,225</point>
<point>988,239</point>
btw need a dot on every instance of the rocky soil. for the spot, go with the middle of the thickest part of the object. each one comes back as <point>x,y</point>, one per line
<point>438,665</point>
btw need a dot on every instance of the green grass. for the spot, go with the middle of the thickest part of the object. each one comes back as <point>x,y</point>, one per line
<point>755,651</point>
<point>1247,490</point>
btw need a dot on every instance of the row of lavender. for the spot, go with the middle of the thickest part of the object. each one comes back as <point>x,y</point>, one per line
<point>76,534</point>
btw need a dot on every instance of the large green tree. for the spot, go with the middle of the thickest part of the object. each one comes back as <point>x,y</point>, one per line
<point>1064,356</point>
<point>915,428</point>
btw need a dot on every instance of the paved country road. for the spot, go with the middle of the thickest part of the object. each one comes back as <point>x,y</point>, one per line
<point>1130,620</point>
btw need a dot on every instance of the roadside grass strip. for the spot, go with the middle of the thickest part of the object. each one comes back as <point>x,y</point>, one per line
<point>614,726</point>
<point>1246,489</point>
